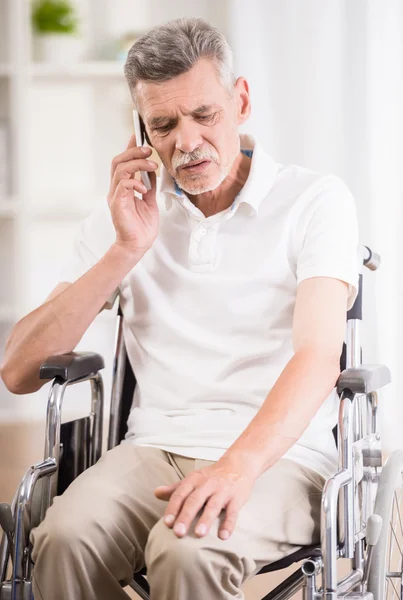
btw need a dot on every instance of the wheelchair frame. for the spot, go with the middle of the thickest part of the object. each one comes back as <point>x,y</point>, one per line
<point>349,528</point>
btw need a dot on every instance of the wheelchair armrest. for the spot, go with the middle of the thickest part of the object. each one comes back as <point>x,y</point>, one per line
<point>363,379</point>
<point>73,365</point>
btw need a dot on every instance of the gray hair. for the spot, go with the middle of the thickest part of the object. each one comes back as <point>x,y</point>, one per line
<point>174,48</point>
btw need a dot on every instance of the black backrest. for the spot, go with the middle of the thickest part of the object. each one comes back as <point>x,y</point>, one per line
<point>129,383</point>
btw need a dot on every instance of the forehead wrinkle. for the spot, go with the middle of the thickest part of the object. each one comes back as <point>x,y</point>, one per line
<point>155,121</point>
<point>163,119</point>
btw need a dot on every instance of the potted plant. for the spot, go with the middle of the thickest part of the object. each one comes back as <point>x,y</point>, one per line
<point>56,27</point>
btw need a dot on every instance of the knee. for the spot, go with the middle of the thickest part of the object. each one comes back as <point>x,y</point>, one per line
<point>67,531</point>
<point>191,553</point>
<point>164,545</point>
<point>58,534</point>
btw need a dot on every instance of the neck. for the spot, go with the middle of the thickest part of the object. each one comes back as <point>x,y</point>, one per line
<point>211,203</point>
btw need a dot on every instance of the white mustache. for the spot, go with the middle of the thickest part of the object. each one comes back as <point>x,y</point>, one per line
<point>202,154</point>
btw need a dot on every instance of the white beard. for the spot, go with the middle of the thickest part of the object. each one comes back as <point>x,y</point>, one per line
<point>200,187</point>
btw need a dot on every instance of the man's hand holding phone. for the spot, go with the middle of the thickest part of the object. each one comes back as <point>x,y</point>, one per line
<point>136,220</point>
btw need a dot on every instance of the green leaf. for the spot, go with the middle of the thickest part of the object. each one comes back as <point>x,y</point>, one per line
<point>54,16</point>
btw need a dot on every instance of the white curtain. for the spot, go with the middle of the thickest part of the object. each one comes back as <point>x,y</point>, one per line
<point>326,82</point>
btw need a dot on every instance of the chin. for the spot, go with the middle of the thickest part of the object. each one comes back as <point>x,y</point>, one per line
<point>195,187</point>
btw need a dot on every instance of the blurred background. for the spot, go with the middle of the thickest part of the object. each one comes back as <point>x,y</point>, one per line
<point>326,82</point>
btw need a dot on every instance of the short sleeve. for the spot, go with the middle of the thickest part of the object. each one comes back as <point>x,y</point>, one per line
<point>327,234</point>
<point>93,237</point>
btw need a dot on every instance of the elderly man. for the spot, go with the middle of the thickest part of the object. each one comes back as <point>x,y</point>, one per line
<point>234,274</point>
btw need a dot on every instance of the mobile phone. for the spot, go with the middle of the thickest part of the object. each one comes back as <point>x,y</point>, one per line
<point>140,132</point>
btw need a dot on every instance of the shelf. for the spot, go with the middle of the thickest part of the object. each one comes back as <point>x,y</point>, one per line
<point>82,69</point>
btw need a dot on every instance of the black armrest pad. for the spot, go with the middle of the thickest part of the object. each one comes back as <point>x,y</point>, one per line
<point>71,366</point>
<point>364,379</point>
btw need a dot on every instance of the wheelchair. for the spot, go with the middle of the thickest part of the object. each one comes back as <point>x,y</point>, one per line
<point>360,516</point>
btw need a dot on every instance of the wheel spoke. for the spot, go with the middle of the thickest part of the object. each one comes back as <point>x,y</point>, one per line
<point>395,536</point>
<point>394,589</point>
<point>386,577</point>
<point>398,514</point>
<point>395,517</point>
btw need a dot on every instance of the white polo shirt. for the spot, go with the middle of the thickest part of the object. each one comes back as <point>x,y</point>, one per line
<point>208,310</point>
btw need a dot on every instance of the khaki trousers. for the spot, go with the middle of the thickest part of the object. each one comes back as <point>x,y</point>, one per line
<point>108,524</point>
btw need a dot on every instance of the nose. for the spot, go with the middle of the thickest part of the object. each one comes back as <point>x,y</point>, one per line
<point>188,137</point>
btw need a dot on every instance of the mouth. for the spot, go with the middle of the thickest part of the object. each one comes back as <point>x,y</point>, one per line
<point>196,165</point>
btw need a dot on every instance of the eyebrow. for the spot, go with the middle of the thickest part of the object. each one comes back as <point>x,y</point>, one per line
<point>165,120</point>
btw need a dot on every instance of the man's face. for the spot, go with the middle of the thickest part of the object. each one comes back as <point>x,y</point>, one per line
<point>192,119</point>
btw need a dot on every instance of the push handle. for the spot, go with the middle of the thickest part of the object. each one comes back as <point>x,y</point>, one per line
<point>372,261</point>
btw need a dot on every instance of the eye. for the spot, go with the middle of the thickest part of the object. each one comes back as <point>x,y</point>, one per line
<point>164,129</point>
<point>206,117</point>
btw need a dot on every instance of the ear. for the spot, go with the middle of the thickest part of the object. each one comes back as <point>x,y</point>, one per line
<point>241,91</point>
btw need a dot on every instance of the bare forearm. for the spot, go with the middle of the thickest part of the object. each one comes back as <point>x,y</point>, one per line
<point>306,381</point>
<point>57,326</point>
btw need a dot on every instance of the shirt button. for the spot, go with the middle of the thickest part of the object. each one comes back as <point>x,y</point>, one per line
<point>203,231</point>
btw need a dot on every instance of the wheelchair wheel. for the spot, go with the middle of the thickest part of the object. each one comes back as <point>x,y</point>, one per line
<point>385,575</point>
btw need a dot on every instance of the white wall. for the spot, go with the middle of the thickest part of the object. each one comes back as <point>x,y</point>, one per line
<point>326,81</point>
<point>73,127</point>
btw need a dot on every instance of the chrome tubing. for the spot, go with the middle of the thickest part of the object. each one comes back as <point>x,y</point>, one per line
<point>329,531</point>
<point>349,582</point>
<point>345,443</point>
<point>119,363</point>
<point>52,440</point>
<point>353,346</point>
<point>372,412</point>
<point>22,518</point>
<point>53,424</point>
<point>311,568</point>
<point>97,415</point>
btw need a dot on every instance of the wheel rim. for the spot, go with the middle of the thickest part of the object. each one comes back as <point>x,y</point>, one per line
<point>394,555</point>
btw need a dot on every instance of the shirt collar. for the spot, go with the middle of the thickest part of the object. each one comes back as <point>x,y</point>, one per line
<point>263,171</point>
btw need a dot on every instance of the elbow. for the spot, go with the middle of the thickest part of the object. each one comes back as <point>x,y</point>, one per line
<point>9,379</point>
<point>16,383</point>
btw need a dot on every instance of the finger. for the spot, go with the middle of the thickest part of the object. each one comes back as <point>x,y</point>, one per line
<point>210,513</point>
<point>127,170</point>
<point>177,499</point>
<point>132,141</point>
<point>231,516</point>
<point>130,153</point>
<point>164,492</point>
<point>132,166</point>
<point>124,186</point>
<point>191,506</point>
